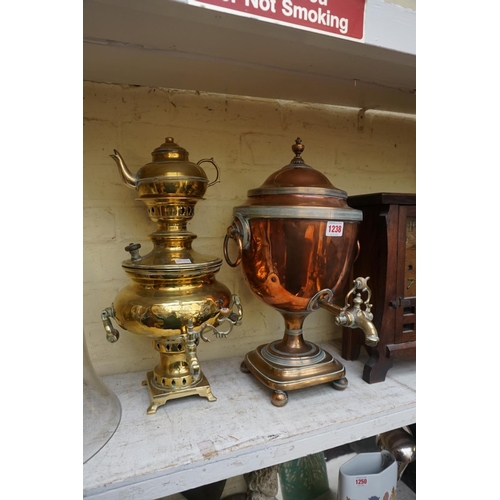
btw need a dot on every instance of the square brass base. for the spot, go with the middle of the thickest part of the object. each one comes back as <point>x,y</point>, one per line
<point>159,397</point>
<point>289,372</point>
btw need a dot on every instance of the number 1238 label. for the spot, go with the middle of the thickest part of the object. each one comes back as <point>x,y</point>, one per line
<point>334,228</point>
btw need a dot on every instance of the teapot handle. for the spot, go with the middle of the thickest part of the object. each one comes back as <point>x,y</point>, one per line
<point>217,177</point>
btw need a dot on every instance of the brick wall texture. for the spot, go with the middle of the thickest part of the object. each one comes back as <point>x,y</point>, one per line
<point>249,139</point>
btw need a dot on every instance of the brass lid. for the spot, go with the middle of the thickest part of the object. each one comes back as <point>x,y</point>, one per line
<point>170,150</point>
<point>177,268</point>
<point>170,261</point>
<point>170,161</point>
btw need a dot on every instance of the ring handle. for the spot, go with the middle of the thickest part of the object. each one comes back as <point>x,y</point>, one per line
<point>112,334</point>
<point>217,177</point>
<point>233,234</point>
<point>358,251</point>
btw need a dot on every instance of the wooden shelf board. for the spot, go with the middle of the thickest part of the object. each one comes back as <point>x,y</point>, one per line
<point>190,442</point>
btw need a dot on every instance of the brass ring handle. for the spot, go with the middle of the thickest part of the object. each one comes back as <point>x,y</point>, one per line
<point>217,177</point>
<point>357,253</point>
<point>112,334</point>
<point>233,234</point>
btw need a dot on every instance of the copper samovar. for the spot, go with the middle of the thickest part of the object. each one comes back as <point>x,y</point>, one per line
<point>174,298</point>
<point>297,241</point>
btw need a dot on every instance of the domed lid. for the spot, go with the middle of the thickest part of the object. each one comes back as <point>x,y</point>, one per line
<point>171,161</point>
<point>298,191</point>
<point>297,178</point>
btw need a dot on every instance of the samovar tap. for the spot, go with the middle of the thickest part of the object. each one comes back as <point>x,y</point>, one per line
<point>350,316</point>
<point>191,357</point>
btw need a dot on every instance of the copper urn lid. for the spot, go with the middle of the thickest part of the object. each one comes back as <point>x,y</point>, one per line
<point>298,191</point>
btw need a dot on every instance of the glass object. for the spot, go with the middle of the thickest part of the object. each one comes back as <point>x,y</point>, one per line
<point>102,410</point>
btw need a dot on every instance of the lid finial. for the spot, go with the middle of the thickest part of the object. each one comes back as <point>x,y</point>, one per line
<point>298,148</point>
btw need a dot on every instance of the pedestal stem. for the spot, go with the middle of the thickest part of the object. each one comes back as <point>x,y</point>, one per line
<point>293,340</point>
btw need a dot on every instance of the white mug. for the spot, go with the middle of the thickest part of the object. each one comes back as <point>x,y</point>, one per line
<point>369,476</point>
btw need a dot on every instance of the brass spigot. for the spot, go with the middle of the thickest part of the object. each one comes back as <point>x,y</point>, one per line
<point>355,317</point>
<point>350,316</point>
<point>191,357</point>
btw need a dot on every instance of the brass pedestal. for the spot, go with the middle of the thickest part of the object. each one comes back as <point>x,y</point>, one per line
<point>283,371</point>
<point>159,397</point>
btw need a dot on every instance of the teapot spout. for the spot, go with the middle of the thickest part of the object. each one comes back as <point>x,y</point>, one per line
<point>128,177</point>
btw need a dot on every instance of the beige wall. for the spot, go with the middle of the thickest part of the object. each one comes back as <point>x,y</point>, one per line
<point>249,139</point>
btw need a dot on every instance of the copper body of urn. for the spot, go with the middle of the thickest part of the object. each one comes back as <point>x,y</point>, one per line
<point>297,240</point>
<point>173,298</point>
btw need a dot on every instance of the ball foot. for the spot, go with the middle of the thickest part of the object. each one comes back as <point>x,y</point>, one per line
<point>340,384</point>
<point>279,398</point>
<point>244,368</point>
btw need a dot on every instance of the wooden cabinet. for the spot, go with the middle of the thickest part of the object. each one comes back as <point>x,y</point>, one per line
<point>387,255</point>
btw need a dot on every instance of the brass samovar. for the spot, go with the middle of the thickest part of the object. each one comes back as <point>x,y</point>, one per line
<point>297,241</point>
<point>174,298</point>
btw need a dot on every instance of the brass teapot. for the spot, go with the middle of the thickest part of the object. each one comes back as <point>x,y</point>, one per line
<point>169,174</point>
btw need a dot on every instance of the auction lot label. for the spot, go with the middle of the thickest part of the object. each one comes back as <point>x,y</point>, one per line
<point>342,18</point>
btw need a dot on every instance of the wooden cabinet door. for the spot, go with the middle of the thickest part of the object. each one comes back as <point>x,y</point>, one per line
<point>406,326</point>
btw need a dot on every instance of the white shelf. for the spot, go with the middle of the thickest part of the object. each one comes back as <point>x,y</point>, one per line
<point>166,43</point>
<point>190,442</point>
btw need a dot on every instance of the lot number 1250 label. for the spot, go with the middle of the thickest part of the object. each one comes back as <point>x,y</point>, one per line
<point>334,228</point>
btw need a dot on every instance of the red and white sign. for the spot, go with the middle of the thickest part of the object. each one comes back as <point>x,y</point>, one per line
<point>342,18</point>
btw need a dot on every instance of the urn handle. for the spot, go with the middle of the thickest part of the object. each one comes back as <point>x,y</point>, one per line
<point>239,231</point>
<point>112,334</point>
<point>234,235</point>
<point>227,319</point>
<point>217,170</point>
